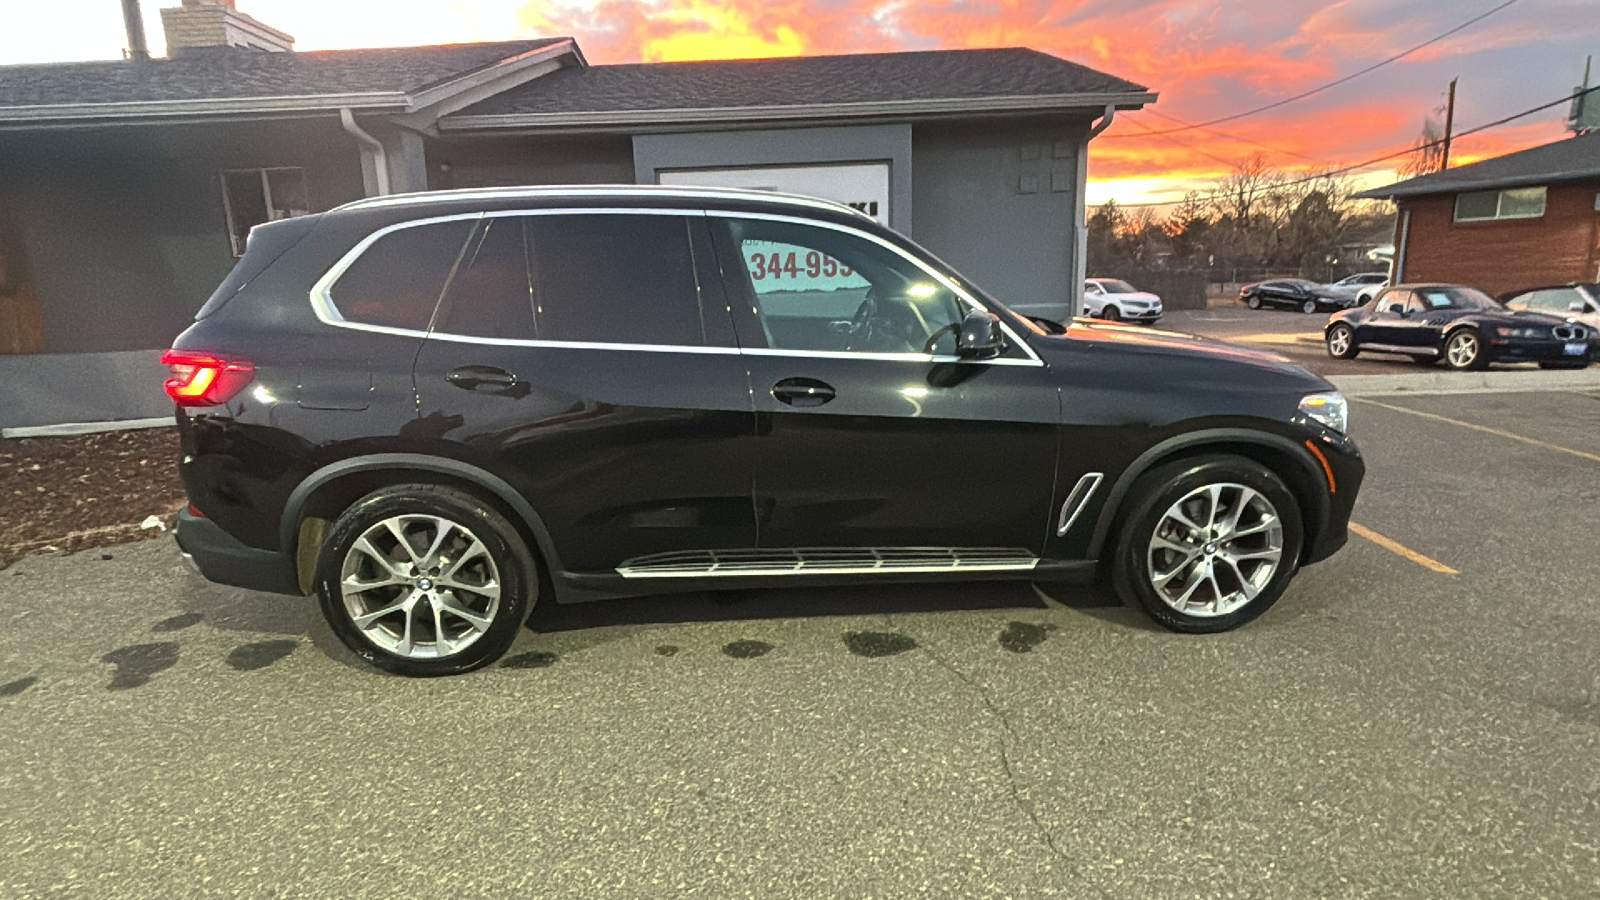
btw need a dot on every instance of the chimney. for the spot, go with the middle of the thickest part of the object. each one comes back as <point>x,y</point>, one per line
<point>133,18</point>
<point>217,23</point>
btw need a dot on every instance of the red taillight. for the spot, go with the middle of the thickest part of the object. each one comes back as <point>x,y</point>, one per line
<point>200,379</point>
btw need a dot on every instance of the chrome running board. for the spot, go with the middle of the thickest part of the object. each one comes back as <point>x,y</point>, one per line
<point>827,561</point>
<point>1077,500</point>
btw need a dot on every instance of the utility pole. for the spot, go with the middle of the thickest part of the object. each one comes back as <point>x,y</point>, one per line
<point>1449,125</point>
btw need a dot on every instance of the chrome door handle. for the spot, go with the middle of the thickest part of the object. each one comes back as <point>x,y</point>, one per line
<point>802,392</point>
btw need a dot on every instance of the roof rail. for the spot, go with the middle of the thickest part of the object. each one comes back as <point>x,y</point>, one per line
<point>599,190</point>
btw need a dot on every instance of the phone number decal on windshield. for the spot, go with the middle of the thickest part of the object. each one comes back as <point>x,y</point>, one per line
<point>812,265</point>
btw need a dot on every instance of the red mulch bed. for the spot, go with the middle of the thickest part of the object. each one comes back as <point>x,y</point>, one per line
<point>65,494</point>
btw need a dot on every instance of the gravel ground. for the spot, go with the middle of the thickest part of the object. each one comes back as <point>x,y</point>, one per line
<point>73,493</point>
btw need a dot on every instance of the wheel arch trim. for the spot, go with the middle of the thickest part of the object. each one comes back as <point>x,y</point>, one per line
<point>1222,440</point>
<point>294,508</point>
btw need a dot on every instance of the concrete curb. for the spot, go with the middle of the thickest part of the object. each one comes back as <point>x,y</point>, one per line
<point>1466,382</point>
<point>71,428</point>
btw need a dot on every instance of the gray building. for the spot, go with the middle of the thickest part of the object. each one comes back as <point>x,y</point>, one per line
<point>127,188</point>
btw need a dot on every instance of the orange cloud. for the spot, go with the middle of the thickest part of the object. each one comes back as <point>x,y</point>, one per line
<point>1207,59</point>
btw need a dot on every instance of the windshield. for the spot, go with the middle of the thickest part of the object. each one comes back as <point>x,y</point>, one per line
<point>1455,298</point>
<point>1114,286</point>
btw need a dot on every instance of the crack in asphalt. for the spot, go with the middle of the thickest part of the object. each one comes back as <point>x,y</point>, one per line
<point>1017,800</point>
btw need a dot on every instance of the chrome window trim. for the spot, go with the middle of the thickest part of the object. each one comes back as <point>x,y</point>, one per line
<point>328,313</point>
<point>971,301</point>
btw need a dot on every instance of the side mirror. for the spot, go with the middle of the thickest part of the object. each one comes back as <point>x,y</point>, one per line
<point>980,336</point>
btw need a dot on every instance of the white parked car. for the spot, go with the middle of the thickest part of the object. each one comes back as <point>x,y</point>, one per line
<point>1360,287</point>
<point>1110,298</point>
<point>1576,301</point>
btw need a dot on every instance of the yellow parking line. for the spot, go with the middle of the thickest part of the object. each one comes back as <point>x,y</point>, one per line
<point>1485,428</point>
<point>1393,546</point>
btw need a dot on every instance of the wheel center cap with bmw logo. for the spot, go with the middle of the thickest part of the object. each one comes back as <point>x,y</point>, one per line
<point>425,584</point>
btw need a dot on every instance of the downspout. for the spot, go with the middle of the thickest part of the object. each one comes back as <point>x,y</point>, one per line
<point>1104,123</point>
<point>1080,266</point>
<point>380,158</point>
<point>1398,275</point>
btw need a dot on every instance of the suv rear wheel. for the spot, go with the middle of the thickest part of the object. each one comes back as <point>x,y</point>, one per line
<point>425,580</point>
<point>1209,543</point>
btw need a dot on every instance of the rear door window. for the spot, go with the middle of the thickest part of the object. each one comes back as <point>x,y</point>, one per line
<point>626,279</point>
<point>398,280</point>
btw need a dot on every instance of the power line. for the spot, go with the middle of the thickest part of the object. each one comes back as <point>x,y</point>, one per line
<point>1399,153</point>
<point>1336,82</point>
<point>1221,134</point>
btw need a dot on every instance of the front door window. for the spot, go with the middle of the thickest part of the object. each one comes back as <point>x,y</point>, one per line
<point>820,290</point>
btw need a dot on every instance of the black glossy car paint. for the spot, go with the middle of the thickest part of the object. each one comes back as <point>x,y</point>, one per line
<point>607,454</point>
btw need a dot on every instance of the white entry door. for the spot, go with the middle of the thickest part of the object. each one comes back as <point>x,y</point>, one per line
<point>864,186</point>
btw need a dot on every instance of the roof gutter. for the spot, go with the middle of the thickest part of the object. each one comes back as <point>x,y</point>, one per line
<point>246,105</point>
<point>635,117</point>
<point>380,158</point>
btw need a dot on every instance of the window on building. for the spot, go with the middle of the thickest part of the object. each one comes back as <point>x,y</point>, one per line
<point>396,283</point>
<point>251,197</point>
<point>1516,203</point>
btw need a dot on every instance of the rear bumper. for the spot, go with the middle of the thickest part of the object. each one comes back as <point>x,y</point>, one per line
<point>222,558</point>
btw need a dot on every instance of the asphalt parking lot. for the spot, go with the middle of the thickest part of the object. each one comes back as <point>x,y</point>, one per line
<point>1419,717</point>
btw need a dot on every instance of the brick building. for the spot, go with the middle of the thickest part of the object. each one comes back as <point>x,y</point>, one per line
<point>1526,218</point>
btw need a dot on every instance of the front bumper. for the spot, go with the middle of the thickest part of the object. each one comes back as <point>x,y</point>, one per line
<point>221,557</point>
<point>1348,470</point>
<point>1541,350</point>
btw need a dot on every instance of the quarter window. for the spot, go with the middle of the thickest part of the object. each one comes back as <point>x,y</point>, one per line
<point>819,289</point>
<point>1516,203</point>
<point>397,281</point>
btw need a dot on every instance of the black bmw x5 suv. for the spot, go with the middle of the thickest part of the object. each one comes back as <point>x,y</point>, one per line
<point>434,410</point>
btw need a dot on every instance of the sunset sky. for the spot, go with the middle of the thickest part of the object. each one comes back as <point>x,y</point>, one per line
<point>1208,59</point>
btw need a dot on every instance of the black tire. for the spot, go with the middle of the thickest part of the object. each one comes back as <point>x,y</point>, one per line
<point>1148,504</point>
<point>1308,307</point>
<point>1110,313</point>
<point>1479,358</point>
<point>1253,301</point>
<point>514,574</point>
<point>1351,351</point>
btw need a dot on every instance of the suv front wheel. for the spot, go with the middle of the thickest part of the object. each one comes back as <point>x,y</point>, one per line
<point>1209,543</point>
<point>425,580</point>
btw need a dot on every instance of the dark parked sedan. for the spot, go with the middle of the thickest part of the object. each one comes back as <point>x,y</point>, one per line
<point>1465,327</point>
<point>1294,293</point>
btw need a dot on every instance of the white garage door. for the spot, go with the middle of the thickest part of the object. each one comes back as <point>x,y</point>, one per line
<point>864,186</point>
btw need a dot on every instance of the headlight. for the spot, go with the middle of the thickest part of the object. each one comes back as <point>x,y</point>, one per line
<point>1330,409</point>
<point>1508,331</point>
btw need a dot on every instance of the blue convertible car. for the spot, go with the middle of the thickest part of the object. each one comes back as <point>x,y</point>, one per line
<point>1461,325</point>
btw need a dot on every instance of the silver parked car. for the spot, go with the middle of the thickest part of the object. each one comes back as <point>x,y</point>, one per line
<point>1577,301</point>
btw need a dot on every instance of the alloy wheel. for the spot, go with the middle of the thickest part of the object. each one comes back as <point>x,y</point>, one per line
<point>1215,550</point>
<point>420,587</point>
<point>1339,342</point>
<point>1462,350</point>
